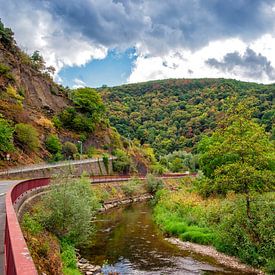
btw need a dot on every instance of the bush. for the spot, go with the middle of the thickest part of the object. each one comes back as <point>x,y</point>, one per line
<point>153,184</point>
<point>53,144</point>
<point>157,169</point>
<point>123,162</point>
<point>31,225</point>
<point>130,188</point>
<point>69,259</point>
<point>6,136</point>
<point>69,149</point>
<point>27,136</point>
<point>105,159</point>
<point>69,207</point>
<point>5,70</point>
<point>250,240</point>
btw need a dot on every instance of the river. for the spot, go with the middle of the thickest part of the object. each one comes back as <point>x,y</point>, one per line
<point>128,242</point>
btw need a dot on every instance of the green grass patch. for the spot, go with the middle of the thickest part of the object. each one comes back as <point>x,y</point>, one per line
<point>221,222</point>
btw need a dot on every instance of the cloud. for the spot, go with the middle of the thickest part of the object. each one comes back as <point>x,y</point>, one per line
<point>78,83</point>
<point>73,32</point>
<point>250,64</point>
<point>36,28</point>
<point>230,58</point>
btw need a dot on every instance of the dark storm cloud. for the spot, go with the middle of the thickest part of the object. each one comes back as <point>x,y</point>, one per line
<point>250,64</point>
<point>156,25</point>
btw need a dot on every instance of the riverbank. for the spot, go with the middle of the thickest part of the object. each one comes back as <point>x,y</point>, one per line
<point>221,258</point>
<point>220,222</point>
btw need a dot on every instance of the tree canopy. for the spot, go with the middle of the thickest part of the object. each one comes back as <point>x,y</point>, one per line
<point>238,156</point>
<point>174,114</point>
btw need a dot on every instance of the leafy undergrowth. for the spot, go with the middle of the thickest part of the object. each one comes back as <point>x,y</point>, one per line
<point>221,222</point>
<point>43,246</point>
<point>50,255</point>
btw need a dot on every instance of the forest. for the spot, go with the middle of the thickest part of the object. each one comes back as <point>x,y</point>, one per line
<point>172,115</point>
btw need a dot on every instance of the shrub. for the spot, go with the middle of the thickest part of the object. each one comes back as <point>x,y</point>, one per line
<point>12,93</point>
<point>56,122</point>
<point>130,188</point>
<point>5,70</point>
<point>31,225</point>
<point>6,136</point>
<point>123,162</point>
<point>69,149</point>
<point>53,144</point>
<point>105,159</point>
<point>46,123</point>
<point>69,259</point>
<point>157,169</point>
<point>153,184</point>
<point>69,207</point>
<point>91,151</point>
<point>27,136</point>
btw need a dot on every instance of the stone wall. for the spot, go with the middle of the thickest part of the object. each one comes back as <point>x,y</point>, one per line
<point>93,168</point>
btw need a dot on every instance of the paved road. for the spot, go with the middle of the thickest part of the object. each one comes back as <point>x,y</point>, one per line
<point>4,187</point>
<point>28,168</point>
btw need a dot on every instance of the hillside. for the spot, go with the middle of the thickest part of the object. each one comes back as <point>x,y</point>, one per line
<point>38,116</point>
<point>173,114</point>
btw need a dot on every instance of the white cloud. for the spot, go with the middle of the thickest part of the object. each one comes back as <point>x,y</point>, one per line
<point>184,63</point>
<point>38,30</point>
<point>78,83</point>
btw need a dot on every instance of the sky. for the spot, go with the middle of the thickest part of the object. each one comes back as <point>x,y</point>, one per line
<point>112,42</point>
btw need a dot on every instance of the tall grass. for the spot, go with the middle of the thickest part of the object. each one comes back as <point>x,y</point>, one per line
<point>221,222</point>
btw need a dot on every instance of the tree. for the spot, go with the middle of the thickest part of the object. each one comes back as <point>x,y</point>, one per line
<point>238,155</point>
<point>6,136</point>
<point>27,136</point>
<point>53,144</point>
<point>38,61</point>
<point>88,101</point>
<point>69,149</point>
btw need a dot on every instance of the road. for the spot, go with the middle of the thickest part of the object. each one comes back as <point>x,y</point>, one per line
<point>49,165</point>
<point>4,187</point>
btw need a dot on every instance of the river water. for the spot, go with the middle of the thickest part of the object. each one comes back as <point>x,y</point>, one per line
<point>128,242</point>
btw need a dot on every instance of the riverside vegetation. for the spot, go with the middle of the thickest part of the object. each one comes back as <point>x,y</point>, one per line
<point>231,206</point>
<point>61,220</point>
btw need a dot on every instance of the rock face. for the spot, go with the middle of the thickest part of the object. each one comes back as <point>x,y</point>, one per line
<point>40,92</point>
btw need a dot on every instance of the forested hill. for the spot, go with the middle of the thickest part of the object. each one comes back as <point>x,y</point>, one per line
<point>173,114</point>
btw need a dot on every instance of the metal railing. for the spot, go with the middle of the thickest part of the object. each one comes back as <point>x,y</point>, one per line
<point>18,260</point>
<point>117,178</point>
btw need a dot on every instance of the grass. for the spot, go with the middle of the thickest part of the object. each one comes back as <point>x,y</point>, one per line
<point>221,222</point>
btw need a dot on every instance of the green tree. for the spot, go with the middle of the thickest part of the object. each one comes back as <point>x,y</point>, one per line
<point>53,144</point>
<point>27,136</point>
<point>38,61</point>
<point>88,101</point>
<point>6,136</point>
<point>238,155</point>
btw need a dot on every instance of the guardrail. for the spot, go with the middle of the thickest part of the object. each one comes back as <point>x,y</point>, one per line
<point>102,179</point>
<point>17,257</point>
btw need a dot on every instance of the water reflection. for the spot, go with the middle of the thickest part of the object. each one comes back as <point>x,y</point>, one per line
<point>128,242</point>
